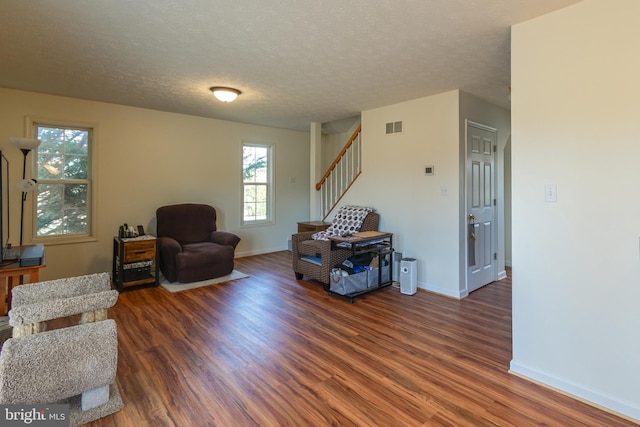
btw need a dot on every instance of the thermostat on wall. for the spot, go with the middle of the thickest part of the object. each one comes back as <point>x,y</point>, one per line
<point>428,170</point>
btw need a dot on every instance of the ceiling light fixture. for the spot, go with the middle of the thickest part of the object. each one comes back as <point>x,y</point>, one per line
<point>225,94</point>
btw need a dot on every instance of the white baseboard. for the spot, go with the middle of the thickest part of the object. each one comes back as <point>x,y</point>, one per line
<point>609,404</point>
<point>443,291</point>
<point>264,251</point>
<point>502,275</point>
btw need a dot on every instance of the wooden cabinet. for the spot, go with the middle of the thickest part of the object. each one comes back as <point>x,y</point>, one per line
<point>135,262</point>
<point>312,226</point>
<point>12,275</point>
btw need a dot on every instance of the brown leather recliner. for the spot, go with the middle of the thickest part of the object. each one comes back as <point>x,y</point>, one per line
<point>191,248</point>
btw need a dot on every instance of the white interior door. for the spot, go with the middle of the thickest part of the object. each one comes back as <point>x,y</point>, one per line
<point>481,211</point>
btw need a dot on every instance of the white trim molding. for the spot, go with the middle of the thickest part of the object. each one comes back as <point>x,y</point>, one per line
<point>607,403</point>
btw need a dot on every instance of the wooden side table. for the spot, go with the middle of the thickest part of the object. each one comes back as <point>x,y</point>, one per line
<point>312,226</point>
<point>12,275</point>
<point>135,262</point>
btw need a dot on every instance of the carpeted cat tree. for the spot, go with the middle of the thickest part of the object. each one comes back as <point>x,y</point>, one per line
<point>75,365</point>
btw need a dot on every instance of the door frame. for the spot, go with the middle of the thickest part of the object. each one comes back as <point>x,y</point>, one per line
<point>464,220</point>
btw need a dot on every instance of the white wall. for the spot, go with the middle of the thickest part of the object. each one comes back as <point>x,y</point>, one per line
<point>576,274</point>
<point>147,159</point>
<point>507,205</point>
<point>333,143</point>
<point>393,181</point>
<point>426,225</point>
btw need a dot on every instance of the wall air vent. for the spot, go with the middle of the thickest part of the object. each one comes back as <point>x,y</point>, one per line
<point>393,127</point>
<point>389,128</point>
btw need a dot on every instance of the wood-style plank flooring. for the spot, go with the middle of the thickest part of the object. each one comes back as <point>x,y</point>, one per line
<point>272,351</point>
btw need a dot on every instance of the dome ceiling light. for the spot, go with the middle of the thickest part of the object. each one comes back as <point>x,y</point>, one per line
<point>225,94</point>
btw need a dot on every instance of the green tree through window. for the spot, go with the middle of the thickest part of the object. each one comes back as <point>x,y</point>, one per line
<point>256,176</point>
<point>62,202</point>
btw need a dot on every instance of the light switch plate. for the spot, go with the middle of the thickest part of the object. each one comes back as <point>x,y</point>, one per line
<point>551,193</point>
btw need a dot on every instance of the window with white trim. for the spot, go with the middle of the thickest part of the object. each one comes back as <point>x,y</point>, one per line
<point>64,173</point>
<point>257,193</point>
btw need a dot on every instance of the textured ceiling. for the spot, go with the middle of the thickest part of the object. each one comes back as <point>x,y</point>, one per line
<point>296,61</point>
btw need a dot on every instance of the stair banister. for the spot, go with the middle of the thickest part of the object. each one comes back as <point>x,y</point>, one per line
<point>342,173</point>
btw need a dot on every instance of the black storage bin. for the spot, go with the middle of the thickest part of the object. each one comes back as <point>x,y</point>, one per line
<point>136,271</point>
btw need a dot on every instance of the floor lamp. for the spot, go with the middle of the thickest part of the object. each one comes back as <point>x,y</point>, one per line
<point>25,185</point>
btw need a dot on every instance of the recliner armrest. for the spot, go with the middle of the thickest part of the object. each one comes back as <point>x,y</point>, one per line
<point>225,238</point>
<point>169,248</point>
<point>169,245</point>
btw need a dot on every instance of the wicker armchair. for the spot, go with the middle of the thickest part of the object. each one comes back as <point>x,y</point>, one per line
<point>303,245</point>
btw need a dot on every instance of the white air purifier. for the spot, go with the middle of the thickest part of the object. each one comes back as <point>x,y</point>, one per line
<point>408,276</point>
<point>397,257</point>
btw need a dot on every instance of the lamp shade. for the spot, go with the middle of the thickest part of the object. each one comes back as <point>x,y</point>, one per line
<point>27,185</point>
<point>225,94</point>
<point>25,143</point>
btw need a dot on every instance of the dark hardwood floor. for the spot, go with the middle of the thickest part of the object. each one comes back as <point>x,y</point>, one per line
<point>272,351</point>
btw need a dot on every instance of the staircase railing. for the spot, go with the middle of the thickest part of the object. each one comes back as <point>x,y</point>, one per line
<point>342,173</point>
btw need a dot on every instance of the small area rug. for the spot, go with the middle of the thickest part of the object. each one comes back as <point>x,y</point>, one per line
<point>179,287</point>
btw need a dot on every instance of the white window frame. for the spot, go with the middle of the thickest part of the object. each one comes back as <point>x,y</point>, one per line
<point>32,123</point>
<point>270,219</point>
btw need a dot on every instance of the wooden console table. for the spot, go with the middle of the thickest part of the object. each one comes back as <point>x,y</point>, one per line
<point>12,275</point>
<point>312,226</point>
